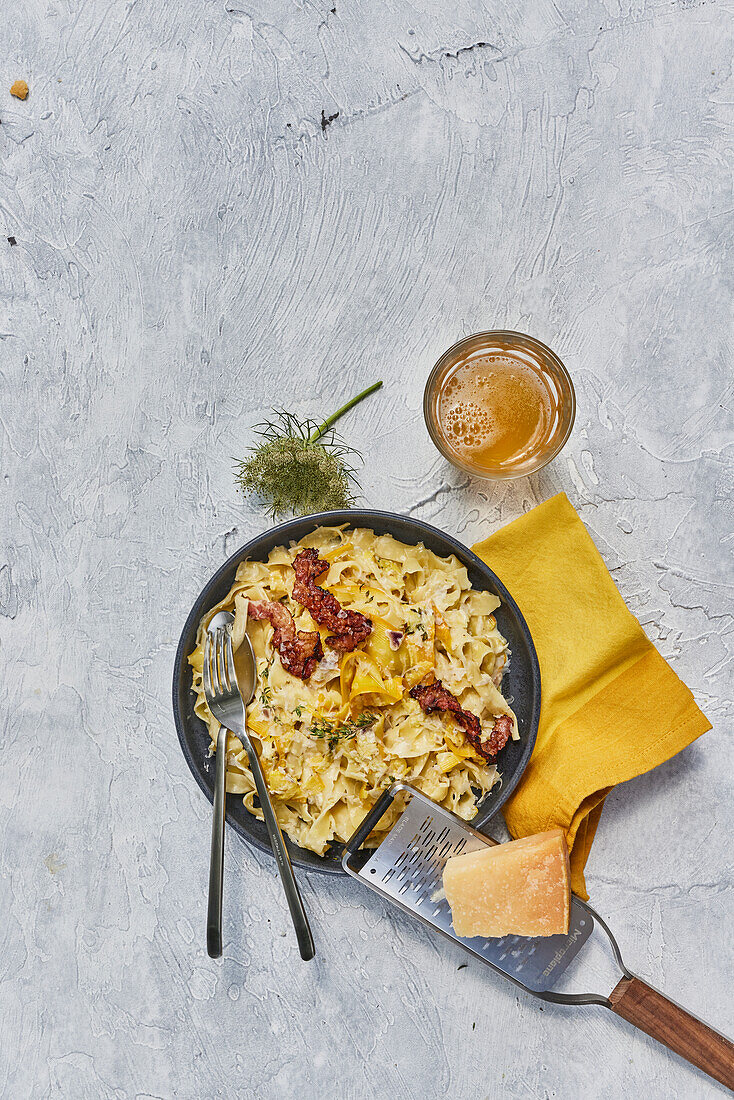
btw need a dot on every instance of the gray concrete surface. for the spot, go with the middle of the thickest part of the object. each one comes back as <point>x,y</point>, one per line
<point>221,205</point>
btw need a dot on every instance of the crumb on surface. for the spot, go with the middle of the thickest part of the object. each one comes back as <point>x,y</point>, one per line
<point>326,120</point>
<point>12,241</point>
<point>19,89</point>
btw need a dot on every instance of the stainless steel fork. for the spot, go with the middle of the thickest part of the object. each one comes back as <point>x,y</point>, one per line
<point>227,696</point>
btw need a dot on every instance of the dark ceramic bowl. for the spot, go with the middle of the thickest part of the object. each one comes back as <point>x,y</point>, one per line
<point>521,684</point>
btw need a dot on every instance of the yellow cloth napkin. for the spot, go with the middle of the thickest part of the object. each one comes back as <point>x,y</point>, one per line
<point>612,708</point>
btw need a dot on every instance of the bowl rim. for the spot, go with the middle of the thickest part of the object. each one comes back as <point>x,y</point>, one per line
<point>353,517</point>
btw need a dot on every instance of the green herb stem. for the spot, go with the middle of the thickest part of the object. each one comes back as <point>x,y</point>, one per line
<point>330,421</point>
<point>327,730</point>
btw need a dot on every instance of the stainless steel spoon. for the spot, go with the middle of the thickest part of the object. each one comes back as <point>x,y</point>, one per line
<point>223,619</point>
<point>229,688</point>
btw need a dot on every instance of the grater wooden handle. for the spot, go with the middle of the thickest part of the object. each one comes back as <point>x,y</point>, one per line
<point>671,1025</point>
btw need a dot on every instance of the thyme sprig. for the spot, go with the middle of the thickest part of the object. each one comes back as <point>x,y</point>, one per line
<point>334,732</point>
<point>301,466</point>
<point>418,625</point>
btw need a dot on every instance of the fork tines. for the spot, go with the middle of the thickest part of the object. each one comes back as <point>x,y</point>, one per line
<point>219,673</point>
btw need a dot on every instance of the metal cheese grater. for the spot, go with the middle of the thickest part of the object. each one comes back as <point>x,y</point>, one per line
<point>408,867</point>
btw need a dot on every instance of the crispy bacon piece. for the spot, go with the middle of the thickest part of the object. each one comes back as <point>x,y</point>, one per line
<point>500,735</point>
<point>300,651</point>
<point>350,627</point>
<point>435,696</point>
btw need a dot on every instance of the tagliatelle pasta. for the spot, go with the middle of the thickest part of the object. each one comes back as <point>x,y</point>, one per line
<point>330,744</point>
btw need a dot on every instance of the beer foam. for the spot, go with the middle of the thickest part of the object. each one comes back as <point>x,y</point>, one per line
<point>493,408</point>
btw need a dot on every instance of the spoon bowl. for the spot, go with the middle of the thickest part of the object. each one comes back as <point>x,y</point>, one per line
<point>245,668</point>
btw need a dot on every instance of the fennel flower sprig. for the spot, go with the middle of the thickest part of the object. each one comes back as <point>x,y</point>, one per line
<point>301,466</point>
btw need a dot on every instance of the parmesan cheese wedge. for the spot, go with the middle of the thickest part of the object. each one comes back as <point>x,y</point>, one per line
<point>516,889</point>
